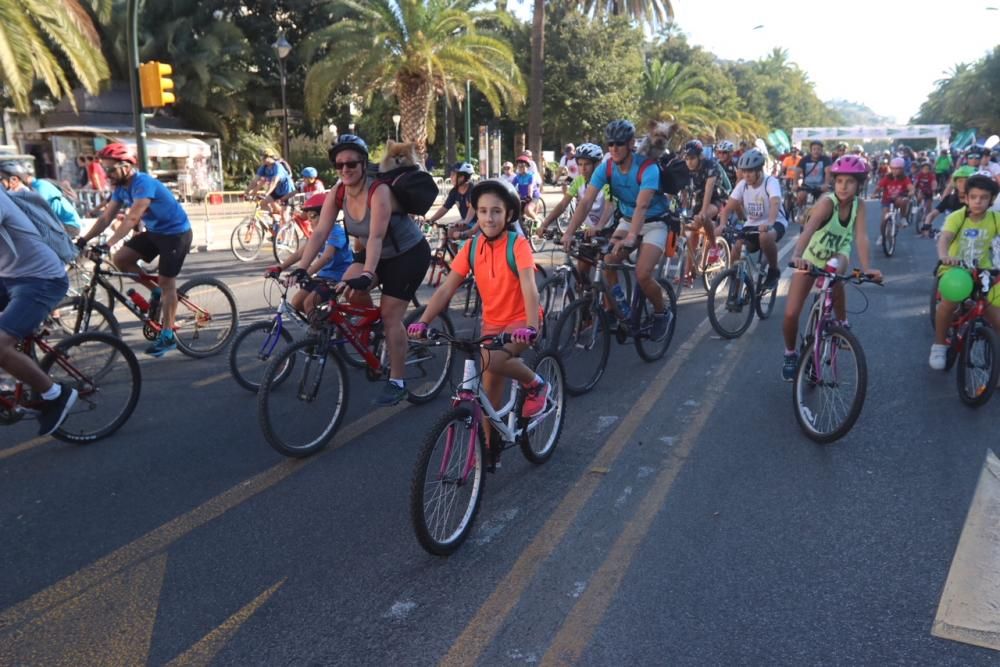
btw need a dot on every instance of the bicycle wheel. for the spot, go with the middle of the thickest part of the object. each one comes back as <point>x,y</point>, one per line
<point>889,238</point>
<point>763,303</point>
<point>554,296</point>
<point>977,366</point>
<point>428,366</point>
<point>79,277</point>
<point>246,240</point>
<point>286,242</point>
<point>672,268</point>
<point>448,481</point>
<point>252,349</point>
<point>67,319</point>
<point>830,385</point>
<point>731,304</point>
<point>717,267</point>
<point>582,338</point>
<point>539,438</point>
<point>207,317</point>
<point>300,416</point>
<point>106,375</point>
<point>649,349</point>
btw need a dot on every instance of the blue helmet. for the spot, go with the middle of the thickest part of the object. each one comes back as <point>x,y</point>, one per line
<point>347,142</point>
<point>310,172</point>
<point>619,131</point>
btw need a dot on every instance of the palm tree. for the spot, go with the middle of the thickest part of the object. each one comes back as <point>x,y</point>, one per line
<point>31,31</point>
<point>415,50</point>
<point>675,93</point>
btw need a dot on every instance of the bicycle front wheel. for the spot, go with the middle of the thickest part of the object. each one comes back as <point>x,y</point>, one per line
<point>252,349</point>
<point>830,385</point>
<point>766,296</point>
<point>977,366</point>
<point>448,480</point>
<point>730,304</point>
<point>246,240</point>
<point>67,318</point>
<point>300,416</point>
<point>715,268</point>
<point>539,438</point>
<point>651,349</point>
<point>555,294</point>
<point>286,242</point>
<point>889,239</point>
<point>106,376</point>
<point>583,340</point>
<point>428,366</point>
<point>207,317</point>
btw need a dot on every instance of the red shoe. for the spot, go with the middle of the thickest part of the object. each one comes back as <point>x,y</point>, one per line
<point>535,397</point>
<point>713,255</point>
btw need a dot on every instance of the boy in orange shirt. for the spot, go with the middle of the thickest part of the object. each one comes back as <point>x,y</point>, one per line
<point>510,302</point>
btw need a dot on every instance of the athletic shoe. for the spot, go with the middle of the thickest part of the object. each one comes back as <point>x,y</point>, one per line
<point>713,255</point>
<point>54,412</point>
<point>789,367</point>
<point>773,276</point>
<point>391,395</point>
<point>535,397</point>
<point>939,357</point>
<point>661,322</point>
<point>165,342</point>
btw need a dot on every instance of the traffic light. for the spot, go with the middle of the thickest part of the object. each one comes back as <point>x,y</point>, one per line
<point>156,84</point>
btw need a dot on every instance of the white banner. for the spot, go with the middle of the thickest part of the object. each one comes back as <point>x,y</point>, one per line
<point>940,132</point>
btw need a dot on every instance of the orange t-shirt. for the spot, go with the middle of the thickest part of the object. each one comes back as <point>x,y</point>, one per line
<point>790,163</point>
<point>500,289</point>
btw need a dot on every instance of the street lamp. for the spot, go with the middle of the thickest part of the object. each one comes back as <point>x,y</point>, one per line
<point>283,48</point>
<point>395,119</point>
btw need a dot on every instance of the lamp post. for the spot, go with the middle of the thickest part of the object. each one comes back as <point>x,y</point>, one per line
<point>395,119</point>
<point>468,122</point>
<point>283,48</point>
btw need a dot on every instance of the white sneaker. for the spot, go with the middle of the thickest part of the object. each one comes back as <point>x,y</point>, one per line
<point>939,357</point>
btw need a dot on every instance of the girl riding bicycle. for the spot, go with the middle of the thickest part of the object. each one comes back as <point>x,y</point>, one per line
<point>510,302</point>
<point>834,223</point>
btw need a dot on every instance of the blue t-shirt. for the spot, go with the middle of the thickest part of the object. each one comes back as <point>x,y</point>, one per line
<point>526,186</point>
<point>285,184</point>
<point>625,188</point>
<point>164,214</point>
<point>57,202</point>
<point>342,258</point>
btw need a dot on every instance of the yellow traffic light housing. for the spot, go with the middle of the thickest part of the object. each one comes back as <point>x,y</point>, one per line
<point>155,84</point>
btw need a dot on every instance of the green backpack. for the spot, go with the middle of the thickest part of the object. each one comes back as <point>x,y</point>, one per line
<point>511,239</point>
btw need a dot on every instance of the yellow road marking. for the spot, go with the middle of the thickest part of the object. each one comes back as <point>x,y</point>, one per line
<point>24,446</point>
<point>971,596</point>
<point>211,379</point>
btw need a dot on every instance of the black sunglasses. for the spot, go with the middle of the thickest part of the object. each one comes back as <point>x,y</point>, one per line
<point>617,143</point>
<point>348,164</point>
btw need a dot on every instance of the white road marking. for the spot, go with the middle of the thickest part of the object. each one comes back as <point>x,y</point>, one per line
<point>605,422</point>
<point>400,610</point>
<point>494,526</point>
<point>623,498</point>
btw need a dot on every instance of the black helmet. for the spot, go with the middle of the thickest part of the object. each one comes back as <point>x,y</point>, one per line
<point>694,147</point>
<point>982,182</point>
<point>619,131</point>
<point>752,159</point>
<point>13,168</point>
<point>348,142</point>
<point>501,188</point>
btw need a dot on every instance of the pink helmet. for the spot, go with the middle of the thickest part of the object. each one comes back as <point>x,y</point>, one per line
<point>897,163</point>
<point>850,164</point>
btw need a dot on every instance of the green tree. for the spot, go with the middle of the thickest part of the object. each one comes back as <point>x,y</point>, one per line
<point>38,38</point>
<point>416,51</point>
<point>968,97</point>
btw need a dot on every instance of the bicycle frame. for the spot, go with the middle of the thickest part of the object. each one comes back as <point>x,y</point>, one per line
<point>16,403</point>
<point>357,333</point>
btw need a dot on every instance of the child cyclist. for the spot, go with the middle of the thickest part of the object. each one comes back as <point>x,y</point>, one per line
<point>967,234</point>
<point>527,186</point>
<point>924,183</point>
<point>896,187</point>
<point>510,302</point>
<point>837,219</point>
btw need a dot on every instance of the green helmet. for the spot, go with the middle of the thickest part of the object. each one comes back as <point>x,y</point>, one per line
<point>964,172</point>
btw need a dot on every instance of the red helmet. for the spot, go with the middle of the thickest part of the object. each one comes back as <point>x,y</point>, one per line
<point>116,152</point>
<point>524,157</point>
<point>315,202</point>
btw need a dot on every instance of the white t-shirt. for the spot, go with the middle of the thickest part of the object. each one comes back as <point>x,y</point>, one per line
<point>756,201</point>
<point>571,167</point>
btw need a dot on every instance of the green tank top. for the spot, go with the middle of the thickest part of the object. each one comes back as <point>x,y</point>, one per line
<point>832,238</point>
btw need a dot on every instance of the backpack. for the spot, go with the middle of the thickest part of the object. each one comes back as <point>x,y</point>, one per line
<point>412,187</point>
<point>672,173</point>
<point>46,223</point>
<point>511,240</point>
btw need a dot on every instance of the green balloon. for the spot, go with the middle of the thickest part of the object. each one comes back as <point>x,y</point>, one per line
<point>955,285</point>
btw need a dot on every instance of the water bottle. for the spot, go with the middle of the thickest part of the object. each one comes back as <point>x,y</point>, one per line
<point>995,251</point>
<point>622,301</point>
<point>139,300</point>
<point>154,303</point>
<point>832,265</point>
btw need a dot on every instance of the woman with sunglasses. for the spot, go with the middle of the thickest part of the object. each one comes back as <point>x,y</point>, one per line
<point>396,255</point>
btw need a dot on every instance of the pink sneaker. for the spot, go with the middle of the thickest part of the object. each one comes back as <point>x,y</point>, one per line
<point>534,400</point>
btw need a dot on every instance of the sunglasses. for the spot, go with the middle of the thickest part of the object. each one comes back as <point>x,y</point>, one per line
<point>617,143</point>
<point>349,164</point>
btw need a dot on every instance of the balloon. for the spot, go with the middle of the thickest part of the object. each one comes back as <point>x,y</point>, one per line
<point>955,285</point>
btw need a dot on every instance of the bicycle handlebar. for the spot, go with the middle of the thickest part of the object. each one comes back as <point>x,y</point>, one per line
<point>495,342</point>
<point>856,275</point>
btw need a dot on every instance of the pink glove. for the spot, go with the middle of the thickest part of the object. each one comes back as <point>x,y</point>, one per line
<point>524,334</point>
<point>417,330</point>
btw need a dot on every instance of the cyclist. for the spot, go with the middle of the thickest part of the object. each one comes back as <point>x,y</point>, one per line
<point>953,199</point>
<point>310,182</point>
<point>396,254</point>
<point>942,167</point>
<point>32,282</point>
<point>815,171</point>
<point>568,166</point>
<point>839,150</point>
<point>708,196</point>
<point>896,187</point>
<point>527,186</point>
<point>329,266</point>
<point>924,185</point>
<point>167,232</point>
<point>790,169</point>
<point>510,301</point>
<point>507,172</point>
<point>641,209</point>
<point>967,234</point>
<point>273,183</point>
<point>837,219</point>
<point>759,197</point>
<point>460,195</point>
<point>724,154</point>
<point>14,176</point>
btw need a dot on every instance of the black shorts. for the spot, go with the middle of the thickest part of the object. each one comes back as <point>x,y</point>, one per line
<point>401,275</point>
<point>752,242</point>
<point>170,248</point>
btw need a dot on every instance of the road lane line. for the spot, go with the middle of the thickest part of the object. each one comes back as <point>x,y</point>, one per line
<point>212,379</point>
<point>969,602</point>
<point>490,617</point>
<point>162,537</point>
<point>24,446</point>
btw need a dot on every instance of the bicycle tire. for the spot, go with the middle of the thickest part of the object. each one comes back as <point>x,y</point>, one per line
<point>247,364</point>
<point>731,285</point>
<point>837,340</point>
<point>208,322</point>
<point>70,321</point>
<point>672,270</point>
<point>286,242</point>
<point>107,377</point>
<point>286,410</point>
<point>710,271</point>
<point>80,277</point>
<point>763,303</point>
<point>546,427</point>
<point>584,350</point>
<point>979,391</point>
<point>889,239</point>
<point>554,296</point>
<point>431,479</point>
<point>648,349</point>
<point>419,353</point>
<point>246,240</point>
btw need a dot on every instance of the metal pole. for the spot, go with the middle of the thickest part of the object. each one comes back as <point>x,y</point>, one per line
<point>468,124</point>
<point>132,26</point>
<point>284,110</point>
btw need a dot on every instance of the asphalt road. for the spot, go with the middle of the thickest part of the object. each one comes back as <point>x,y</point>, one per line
<point>683,519</point>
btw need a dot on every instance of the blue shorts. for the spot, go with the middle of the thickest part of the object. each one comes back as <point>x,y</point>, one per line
<point>25,302</point>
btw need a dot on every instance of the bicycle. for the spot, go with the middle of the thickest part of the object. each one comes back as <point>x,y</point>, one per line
<point>102,369</point>
<point>248,236</point>
<point>448,478</point>
<point>207,314</point>
<point>288,236</point>
<point>679,255</point>
<point>891,225</point>
<point>831,360</point>
<point>300,415</point>
<point>745,289</point>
